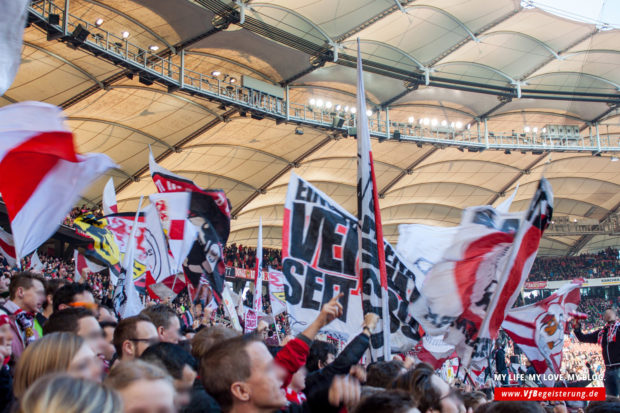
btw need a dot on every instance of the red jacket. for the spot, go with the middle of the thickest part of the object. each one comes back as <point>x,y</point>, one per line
<point>292,356</point>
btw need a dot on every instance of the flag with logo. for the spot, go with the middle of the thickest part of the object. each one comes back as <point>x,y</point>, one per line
<point>538,329</point>
<point>41,174</point>
<point>126,299</point>
<point>209,212</point>
<point>104,247</point>
<point>6,247</point>
<point>470,290</point>
<point>372,253</point>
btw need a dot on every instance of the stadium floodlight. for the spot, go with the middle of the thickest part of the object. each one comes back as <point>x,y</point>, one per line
<point>368,112</point>
<point>98,22</point>
<point>328,104</point>
<point>216,73</point>
<point>125,34</point>
<point>526,129</point>
<point>319,103</point>
<point>535,129</point>
<point>444,123</point>
<point>353,110</point>
<point>153,48</point>
<point>312,102</point>
<point>434,122</point>
<point>338,107</point>
<point>459,125</point>
<point>411,119</point>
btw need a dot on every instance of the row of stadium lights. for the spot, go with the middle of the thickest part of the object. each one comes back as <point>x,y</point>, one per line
<point>125,35</point>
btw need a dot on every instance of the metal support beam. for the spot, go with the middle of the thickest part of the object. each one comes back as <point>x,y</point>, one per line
<point>516,178</point>
<point>407,171</point>
<point>583,241</point>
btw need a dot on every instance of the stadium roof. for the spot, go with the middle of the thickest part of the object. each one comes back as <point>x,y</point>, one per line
<point>515,66</point>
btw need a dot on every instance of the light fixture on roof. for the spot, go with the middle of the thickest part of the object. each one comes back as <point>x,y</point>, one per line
<point>459,125</point>
<point>319,103</point>
<point>434,122</point>
<point>526,129</point>
<point>233,80</point>
<point>338,107</point>
<point>312,101</point>
<point>346,108</point>
<point>614,159</point>
<point>125,34</point>
<point>328,104</point>
<point>368,112</point>
<point>411,119</point>
<point>216,73</point>
<point>153,48</point>
<point>544,130</point>
<point>353,110</point>
<point>98,22</point>
<point>427,121</point>
<point>534,129</point>
<point>444,123</point>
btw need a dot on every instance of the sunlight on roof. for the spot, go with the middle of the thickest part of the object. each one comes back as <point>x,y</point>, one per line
<point>605,14</point>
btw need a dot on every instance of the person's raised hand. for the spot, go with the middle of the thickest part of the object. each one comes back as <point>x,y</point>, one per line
<point>344,391</point>
<point>371,320</point>
<point>332,310</point>
<point>359,372</point>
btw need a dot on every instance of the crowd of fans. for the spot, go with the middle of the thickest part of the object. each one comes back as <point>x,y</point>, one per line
<point>245,257</point>
<point>81,357</point>
<point>77,211</point>
<point>603,264</point>
<point>66,350</point>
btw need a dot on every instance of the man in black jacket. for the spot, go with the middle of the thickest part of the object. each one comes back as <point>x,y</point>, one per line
<point>607,337</point>
<point>500,362</point>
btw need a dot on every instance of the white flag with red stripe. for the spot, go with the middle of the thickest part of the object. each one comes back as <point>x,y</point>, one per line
<point>12,23</point>
<point>173,209</point>
<point>372,268</point>
<point>469,292</point>
<point>6,247</point>
<point>82,263</point>
<point>35,263</point>
<point>538,329</point>
<point>41,175</point>
<point>108,201</point>
<point>258,277</point>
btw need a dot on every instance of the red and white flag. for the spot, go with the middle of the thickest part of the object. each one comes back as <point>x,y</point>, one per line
<point>470,290</point>
<point>372,268</point>
<point>82,263</point>
<point>538,329</point>
<point>258,277</point>
<point>12,23</point>
<point>108,201</point>
<point>277,296</point>
<point>41,175</point>
<point>173,209</point>
<point>6,247</point>
<point>35,263</point>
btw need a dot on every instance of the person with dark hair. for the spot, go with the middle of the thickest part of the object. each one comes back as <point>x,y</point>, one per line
<point>133,335</point>
<point>107,314</point>
<point>51,286</point>
<point>166,322</point>
<point>26,296</point>
<point>609,339</point>
<point>179,364</point>
<point>347,358</point>
<point>321,354</point>
<point>79,321</point>
<point>383,373</point>
<point>474,399</point>
<point>391,401</point>
<point>108,328</point>
<point>432,393</point>
<point>603,406</point>
<point>74,295</point>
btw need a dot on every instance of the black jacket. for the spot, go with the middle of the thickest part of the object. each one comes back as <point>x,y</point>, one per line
<point>318,381</point>
<point>500,361</point>
<point>611,348</point>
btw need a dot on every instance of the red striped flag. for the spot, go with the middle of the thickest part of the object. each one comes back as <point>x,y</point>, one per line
<point>6,247</point>
<point>41,174</point>
<point>538,329</point>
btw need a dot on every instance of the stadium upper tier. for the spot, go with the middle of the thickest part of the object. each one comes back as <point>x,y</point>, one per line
<point>468,100</point>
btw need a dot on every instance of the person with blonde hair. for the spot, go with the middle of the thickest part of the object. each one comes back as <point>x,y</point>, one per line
<point>62,393</point>
<point>143,387</point>
<point>56,353</point>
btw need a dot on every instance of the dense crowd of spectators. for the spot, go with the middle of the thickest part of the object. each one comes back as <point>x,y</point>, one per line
<point>77,211</point>
<point>245,257</point>
<point>600,265</point>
